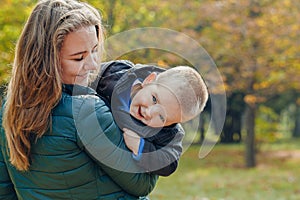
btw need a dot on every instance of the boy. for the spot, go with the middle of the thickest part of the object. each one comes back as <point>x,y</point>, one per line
<point>147,103</point>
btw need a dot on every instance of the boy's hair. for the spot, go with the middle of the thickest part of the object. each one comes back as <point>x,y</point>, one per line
<point>188,87</point>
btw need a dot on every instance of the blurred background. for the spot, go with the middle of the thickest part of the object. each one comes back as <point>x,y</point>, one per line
<point>256,47</point>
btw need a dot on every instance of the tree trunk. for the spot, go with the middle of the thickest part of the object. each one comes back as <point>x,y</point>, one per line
<point>296,131</point>
<point>111,18</point>
<point>250,136</point>
<point>201,129</point>
<point>233,124</point>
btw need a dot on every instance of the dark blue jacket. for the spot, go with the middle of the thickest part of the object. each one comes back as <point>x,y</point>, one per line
<point>163,146</point>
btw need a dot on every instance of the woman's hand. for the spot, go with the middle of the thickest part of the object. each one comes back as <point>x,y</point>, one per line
<point>132,140</point>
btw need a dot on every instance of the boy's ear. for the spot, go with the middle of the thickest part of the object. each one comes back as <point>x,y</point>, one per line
<point>150,78</point>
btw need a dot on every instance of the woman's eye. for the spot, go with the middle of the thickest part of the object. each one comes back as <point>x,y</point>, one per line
<point>154,99</point>
<point>79,59</point>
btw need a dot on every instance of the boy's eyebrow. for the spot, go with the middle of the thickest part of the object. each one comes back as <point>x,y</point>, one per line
<point>82,52</point>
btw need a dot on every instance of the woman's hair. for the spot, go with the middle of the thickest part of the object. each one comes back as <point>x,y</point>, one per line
<point>36,87</point>
<point>188,87</point>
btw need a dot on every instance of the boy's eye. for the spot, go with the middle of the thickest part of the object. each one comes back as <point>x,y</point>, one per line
<point>162,118</point>
<point>154,99</point>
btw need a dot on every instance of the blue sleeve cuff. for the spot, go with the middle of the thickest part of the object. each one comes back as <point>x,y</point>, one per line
<point>141,147</point>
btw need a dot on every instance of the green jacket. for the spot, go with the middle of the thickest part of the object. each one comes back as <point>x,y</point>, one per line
<point>76,159</point>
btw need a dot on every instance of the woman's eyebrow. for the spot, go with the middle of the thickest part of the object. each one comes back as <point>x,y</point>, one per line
<point>78,53</point>
<point>82,52</point>
<point>95,46</point>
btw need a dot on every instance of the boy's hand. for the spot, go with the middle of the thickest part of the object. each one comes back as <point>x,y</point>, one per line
<point>132,140</point>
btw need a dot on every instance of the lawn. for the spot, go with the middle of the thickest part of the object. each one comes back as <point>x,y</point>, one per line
<point>221,175</point>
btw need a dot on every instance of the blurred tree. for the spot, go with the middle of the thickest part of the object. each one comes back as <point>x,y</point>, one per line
<point>254,43</point>
<point>233,124</point>
<point>296,131</point>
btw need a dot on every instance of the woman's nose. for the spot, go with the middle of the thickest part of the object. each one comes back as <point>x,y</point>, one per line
<point>91,62</point>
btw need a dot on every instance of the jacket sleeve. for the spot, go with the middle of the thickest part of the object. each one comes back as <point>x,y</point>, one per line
<point>6,186</point>
<point>162,151</point>
<point>103,141</point>
<point>163,165</point>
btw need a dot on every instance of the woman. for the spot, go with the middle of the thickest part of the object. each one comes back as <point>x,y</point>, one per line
<point>58,139</point>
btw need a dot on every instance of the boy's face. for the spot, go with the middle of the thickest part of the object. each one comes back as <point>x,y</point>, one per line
<point>155,106</point>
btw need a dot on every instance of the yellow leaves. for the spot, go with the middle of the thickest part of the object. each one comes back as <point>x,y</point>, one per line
<point>261,22</point>
<point>287,3</point>
<point>162,63</point>
<point>262,85</point>
<point>276,19</point>
<point>295,27</point>
<point>251,99</point>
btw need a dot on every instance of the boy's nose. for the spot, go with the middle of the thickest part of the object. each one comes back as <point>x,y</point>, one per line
<point>147,113</point>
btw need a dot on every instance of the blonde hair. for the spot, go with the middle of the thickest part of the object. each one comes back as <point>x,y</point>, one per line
<point>188,87</point>
<point>35,87</point>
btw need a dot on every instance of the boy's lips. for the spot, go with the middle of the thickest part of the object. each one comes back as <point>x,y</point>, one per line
<point>140,112</point>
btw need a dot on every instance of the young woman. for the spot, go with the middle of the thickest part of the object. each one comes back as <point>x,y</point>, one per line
<point>53,123</point>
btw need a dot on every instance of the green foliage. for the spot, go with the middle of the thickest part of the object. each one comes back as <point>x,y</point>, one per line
<point>267,125</point>
<point>13,15</point>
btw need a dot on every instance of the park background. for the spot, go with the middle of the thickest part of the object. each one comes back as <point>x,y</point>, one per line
<point>256,46</point>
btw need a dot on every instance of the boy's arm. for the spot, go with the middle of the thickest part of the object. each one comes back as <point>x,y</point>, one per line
<point>160,161</point>
<point>158,154</point>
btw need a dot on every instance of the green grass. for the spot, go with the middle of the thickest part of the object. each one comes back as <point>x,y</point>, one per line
<point>221,175</point>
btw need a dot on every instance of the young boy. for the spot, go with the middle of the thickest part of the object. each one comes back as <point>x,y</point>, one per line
<point>147,103</point>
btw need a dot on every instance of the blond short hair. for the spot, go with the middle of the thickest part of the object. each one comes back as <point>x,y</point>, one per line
<point>188,87</point>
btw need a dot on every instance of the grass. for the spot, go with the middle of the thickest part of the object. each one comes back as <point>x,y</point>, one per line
<point>221,175</point>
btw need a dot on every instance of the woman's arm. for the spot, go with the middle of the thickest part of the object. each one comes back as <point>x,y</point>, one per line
<point>103,141</point>
<point>6,186</point>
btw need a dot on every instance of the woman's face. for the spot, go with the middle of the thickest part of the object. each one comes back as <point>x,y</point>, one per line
<point>79,56</point>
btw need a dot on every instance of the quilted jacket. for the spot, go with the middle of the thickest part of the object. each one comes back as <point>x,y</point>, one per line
<point>76,159</point>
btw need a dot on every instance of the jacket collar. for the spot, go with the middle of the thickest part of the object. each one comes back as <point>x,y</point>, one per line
<point>74,90</point>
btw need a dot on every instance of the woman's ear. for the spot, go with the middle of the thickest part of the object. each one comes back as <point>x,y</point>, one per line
<point>150,78</point>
